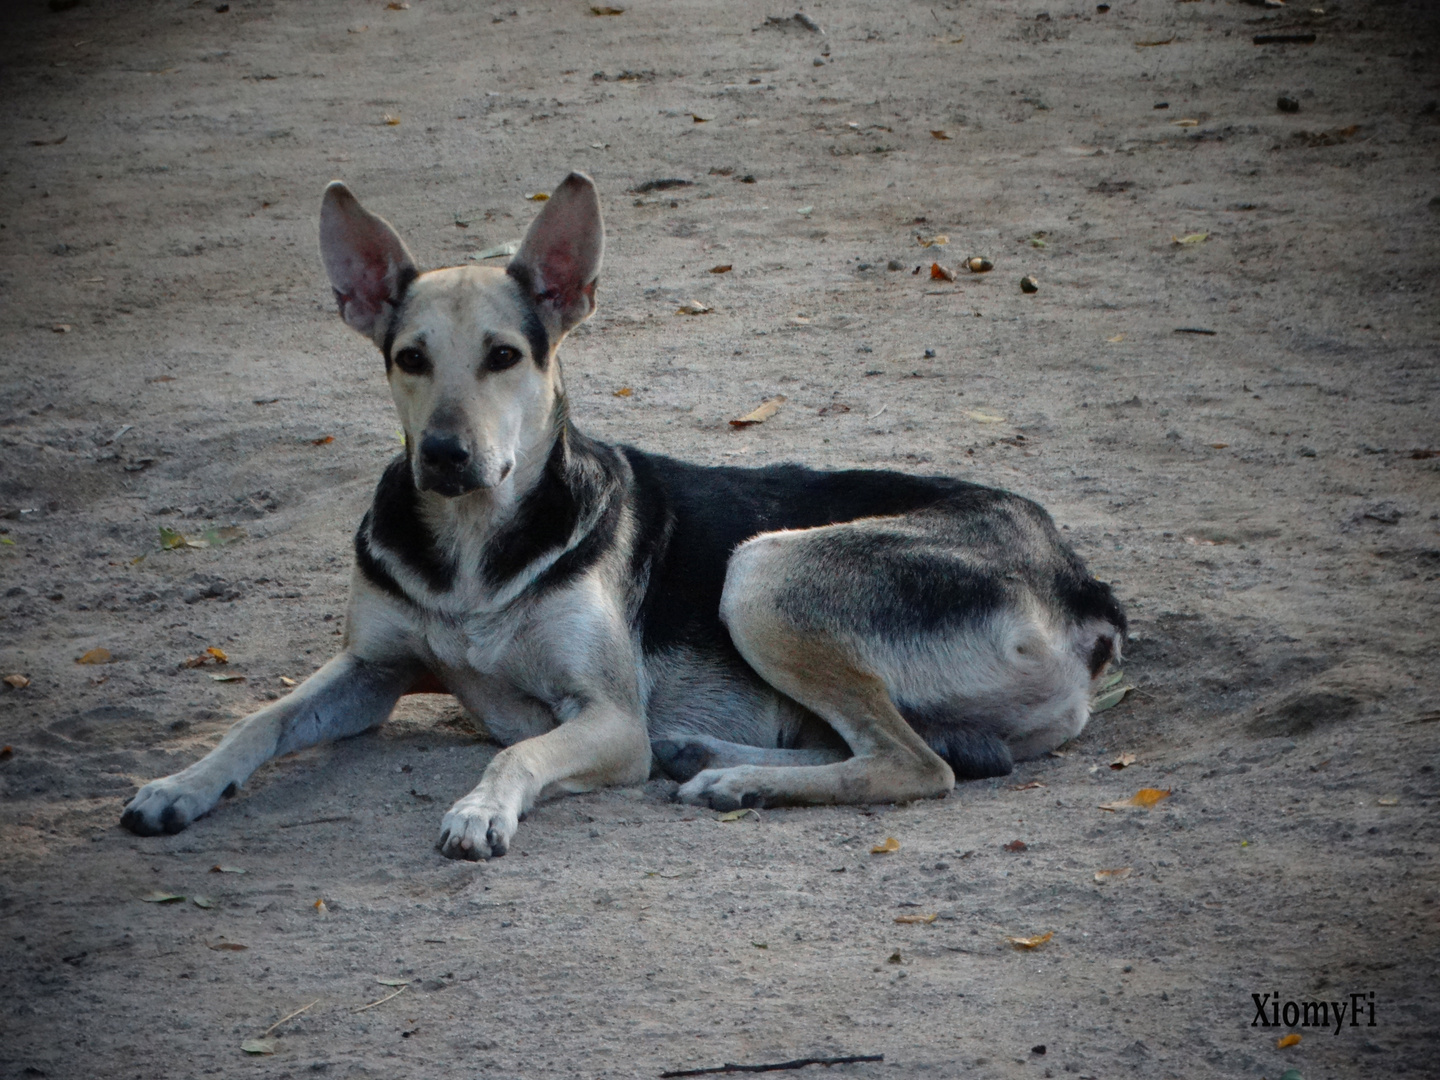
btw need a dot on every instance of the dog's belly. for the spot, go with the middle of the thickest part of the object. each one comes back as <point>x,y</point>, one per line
<point>508,714</point>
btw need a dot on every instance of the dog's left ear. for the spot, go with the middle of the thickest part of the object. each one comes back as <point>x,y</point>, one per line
<point>367,262</point>
<point>559,260</point>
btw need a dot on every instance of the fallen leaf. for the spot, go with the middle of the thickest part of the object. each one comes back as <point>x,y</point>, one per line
<point>1117,338</point>
<point>693,307</point>
<point>1185,123</point>
<point>169,538</point>
<point>1218,445</point>
<point>397,7</point>
<point>1113,875</point>
<point>285,680</point>
<point>259,1046</point>
<point>1110,698</point>
<point>218,654</point>
<point>939,240</point>
<point>914,919</point>
<point>701,119</point>
<point>762,412</point>
<point>61,328</point>
<point>890,844</point>
<point>228,946</point>
<point>323,440</point>
<point>390,119</point>
<point>1200,541</point>
<point>219,869</point>
<point>1017,846</point>
<point>1387,800</point>
<point>939,135</point>
<point>984,417</point>
<point>761,944</point>
<point>601,9</point>
<point>6,752</point>
<point>202,902</point>
<point>320,908</point>
<point>1031,942</point>
<point>1111,679</point>
<point>739,815</point>
<point>723,268</point>
<point>393,982</point>
<point>1293,1074</point>
<point>219,676</point>
<point>539,196</point>
<point>1190,238</point>
<point>1152,44</point>
<point>159,897</point>
<point>19,682</point>
<point>1293,1039</point>
<point>49,142</point>
<point>94,656</point>
<point>941,273</point>
<point>1026,787</point>
<point>895,958</point>
<point>1144,798</point>
<point>495,251</point>
<point>624,391</point>
<point>1123,761</point>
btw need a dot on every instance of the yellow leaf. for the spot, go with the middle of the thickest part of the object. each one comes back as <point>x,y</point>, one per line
<point>941,273</point>
<point>932,241</point>
<point>890,844</point>
<point>984,417</point>
<point>939,135</point>
<point>739,815</point>
<point>601,9</point>
<point>1186,123</point>
<point>1031,942</point>
<point>624,391</point>
<point>1388,800</point>
<point>1287,1040</point>
<point>390,119</point>
<point>19,682</point>
<point>701,119</point>
<point>910,919</point>
<point>693,307</point>
<point>1152,44</point>
<point>1113,875</point>
<point>1117,338</point>
<point>723,268</point>
<point>1144,798</point>
<point>285,680</point>
<point>539,196</point>
<point>95,656</point>
<point>762,412</point>
<point>1190,238</point>
<point>218,654</point>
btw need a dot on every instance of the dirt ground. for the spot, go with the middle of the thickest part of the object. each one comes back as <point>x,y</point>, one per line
<point>1264,495</point>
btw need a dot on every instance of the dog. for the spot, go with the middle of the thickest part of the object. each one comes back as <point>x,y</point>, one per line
<point>765,636</point>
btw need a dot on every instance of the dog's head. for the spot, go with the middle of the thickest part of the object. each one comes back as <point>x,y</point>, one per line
<point>469,350</point>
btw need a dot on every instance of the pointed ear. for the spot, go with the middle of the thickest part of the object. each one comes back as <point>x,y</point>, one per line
<point>559,260</point>
<point>368,265</point>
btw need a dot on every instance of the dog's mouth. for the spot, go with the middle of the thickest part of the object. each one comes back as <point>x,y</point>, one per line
<point>452,483</point>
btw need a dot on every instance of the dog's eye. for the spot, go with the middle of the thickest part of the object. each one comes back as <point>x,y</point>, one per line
<point>502,357</point>
<point>412,362</point>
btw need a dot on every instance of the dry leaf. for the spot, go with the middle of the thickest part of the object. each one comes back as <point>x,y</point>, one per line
<point>510,247</point>
<point>739,815</point>
<point>723,268</point>
<point>1017,846</point>
<point>984,417</point>
<point>1026,787</point>
<point>895,958</point>
<point>624,391</point>
<point>259,1046</point>
<point>762,412</point>
<point>1218,445</point>
<point>19,682</point>
<point>95,656</point>
<point>1186,123</point>
<point>226,677</point>
<point>320,908</point>
<point>393,982</point>
<point>1113,875</point>
<point>913,919</point>
<point>202,902</point>
<point>941,273</point>
<point>1387,800</point>
<point>285,680</point>
<point>159,897</point>
<point>397,7</point>
<point>890,844</point>
<point>1152,44</point>
<point>1117,338</point>
<point>323,440</point>
<point>1123,761</point>
<point>218,654</point>
<point>1292,1039</point>
<point>601,9</point>
<point>693,307</point>
<point>1144,798</point>
<point>61,328</point>
<point>6,752</point>
<point>219,869</point>
<point>939,135</point>
<point>1190,238</point>
<point>932,241</point>
<point>1031,942</point>
<point>1110,698</point>
<point>390,119</point>
<point>229,946</point>
<point>701,119</point>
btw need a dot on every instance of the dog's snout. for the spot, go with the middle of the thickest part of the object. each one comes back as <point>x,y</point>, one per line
<point>443,452</point>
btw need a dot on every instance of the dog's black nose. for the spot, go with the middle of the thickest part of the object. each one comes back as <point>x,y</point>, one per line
<point>443,452</point>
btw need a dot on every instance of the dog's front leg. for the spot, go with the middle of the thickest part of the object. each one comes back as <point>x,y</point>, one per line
<point>605,744</point>
<point>345,697</point>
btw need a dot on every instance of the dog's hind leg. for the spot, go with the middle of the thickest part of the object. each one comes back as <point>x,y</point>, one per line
<point>684,758</point>
<point>345,697</point>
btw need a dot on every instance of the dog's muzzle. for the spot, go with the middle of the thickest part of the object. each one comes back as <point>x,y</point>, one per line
<point>447,467</point>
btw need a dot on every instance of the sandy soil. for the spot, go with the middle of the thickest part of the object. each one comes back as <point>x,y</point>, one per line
<point>1264,496</point>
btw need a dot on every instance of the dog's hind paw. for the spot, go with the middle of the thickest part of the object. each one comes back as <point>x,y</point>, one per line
<point>476,830</point>
<point>682,759</point>
<point>163,807</point>
<point>723,789</point>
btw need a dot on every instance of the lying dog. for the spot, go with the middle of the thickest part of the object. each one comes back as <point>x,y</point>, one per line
<point>770,636</point>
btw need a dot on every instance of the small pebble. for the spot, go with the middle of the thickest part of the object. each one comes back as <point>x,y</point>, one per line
<point>1029,285</point>
<point>978,264</point>
<point>1287,104</point>
<point>894,264</point>
<point>929,354</point>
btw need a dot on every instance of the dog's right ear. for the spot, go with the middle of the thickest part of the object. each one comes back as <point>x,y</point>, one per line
<point>367,262</point>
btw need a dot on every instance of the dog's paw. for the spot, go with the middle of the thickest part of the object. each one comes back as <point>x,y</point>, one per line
<point>682,759</point>
<point>724,789</point>
<point>164,806</point>
<point>477,829</point>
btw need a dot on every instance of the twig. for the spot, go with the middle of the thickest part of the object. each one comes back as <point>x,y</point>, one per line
<point>315,821</point>
<point>382,1001</point>
<point>292,1016</point>
<point>877,412</point>
<point>798,1063</point>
